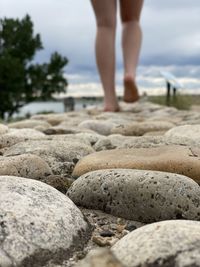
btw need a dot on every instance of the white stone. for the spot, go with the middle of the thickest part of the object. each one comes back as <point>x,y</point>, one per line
<point>37,224</point>
<point>167,243</point>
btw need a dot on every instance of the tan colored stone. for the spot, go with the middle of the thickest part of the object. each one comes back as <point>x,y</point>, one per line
<point>60,155</point>
<point>28,166</point>
<point>62,184</point>
<point>69,118</point>
<point>15,136</point>
<point>175,159</point>
<point>99,126</point>
<point>156,133</point>
<point>140,128</point>
<point>29,124</point>
<point>100,258</point>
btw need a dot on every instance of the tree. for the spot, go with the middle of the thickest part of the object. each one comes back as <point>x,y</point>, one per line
<point>22,81</point>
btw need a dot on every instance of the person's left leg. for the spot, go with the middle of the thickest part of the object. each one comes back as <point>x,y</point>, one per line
<point>131,44</point>
<point>105,11</point>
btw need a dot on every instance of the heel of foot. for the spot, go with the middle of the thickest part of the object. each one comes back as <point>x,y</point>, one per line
<point>130,91</point>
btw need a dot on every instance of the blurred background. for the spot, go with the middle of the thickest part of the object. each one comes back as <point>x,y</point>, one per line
<point>171,46</point>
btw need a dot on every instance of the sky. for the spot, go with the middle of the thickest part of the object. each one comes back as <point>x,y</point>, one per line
<point>171,41</point>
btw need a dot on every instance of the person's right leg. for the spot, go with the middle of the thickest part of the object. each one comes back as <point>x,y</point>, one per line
<point>131,44</point>
<point>105,11</point>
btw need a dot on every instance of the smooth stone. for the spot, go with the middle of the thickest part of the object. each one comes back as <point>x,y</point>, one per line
<point>60,155</point>
<point>92,138</point>
<point>140,106</point>
<point>69,138</point>
<point>144,196</point>
<point>156,133</point>
<point>101,127</point>
<point>69,118</point>
<point>38,224</point>
<point>100,258</point>
<point>3,129</point>
<point>29,124</point>
<point>140,128</point>
<point>27,166</point>
<point>15,136</point>
<point>185,133</point>
<point>175,159</point>
<point>120,141</point>
<point>167,243</point>
<point>65,130</point>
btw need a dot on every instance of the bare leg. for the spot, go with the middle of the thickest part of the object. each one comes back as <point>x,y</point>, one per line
<point>105,11</point>
<point>131,44</point>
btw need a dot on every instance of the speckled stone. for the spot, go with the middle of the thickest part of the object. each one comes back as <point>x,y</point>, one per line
<point>15,136</point>
<point>62,119</point>
<point>29,124</point>
<point>37,224</point>
<point>176,159</point>
<point>3,129</point>
<point>185,133</point>
<point>60,155</point>
<point>163,244</point>
<point>99,126</point>
<point>27,166</point>
<point>145,196</point>
<point>140,128</point>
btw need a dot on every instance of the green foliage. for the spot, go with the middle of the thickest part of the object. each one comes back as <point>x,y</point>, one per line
<point>21,81</point>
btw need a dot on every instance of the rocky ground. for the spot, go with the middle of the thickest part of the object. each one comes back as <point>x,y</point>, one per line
<point>96,189</point>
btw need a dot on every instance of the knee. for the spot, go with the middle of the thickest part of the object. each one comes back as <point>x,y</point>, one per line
<point>126,18</point>
<point>107,23</point>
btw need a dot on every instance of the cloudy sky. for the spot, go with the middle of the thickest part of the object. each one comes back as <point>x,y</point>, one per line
<point>171,41</point>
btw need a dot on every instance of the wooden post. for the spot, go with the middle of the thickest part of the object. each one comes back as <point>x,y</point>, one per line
<point>168,93</point>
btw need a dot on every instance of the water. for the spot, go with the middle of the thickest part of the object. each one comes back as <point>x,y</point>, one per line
<point>53,106</point>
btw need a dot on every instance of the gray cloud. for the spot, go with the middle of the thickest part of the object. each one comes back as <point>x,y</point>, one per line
<point>171,33</point>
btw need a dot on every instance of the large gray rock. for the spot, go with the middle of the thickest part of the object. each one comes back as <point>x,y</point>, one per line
<point>163,244</point>
<point>38,224</point>
<point>60,155</point>
<point>19,135</point>
<point>28,166</point>
<point>145,196</point>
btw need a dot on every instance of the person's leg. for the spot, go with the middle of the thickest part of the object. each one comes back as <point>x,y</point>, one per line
<point>105,11</point>
<point>131,44</point>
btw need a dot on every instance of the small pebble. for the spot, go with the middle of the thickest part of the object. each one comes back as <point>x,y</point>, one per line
<point>106,233</point>
<point>130,227</point>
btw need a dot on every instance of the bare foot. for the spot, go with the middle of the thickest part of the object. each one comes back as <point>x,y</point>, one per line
<point>130,90</point>
<point>112,108</point>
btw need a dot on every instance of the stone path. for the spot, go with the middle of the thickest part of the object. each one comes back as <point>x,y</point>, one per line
<point>128,182</point>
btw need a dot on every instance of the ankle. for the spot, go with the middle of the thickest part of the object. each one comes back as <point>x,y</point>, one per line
<point>129,77</point>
